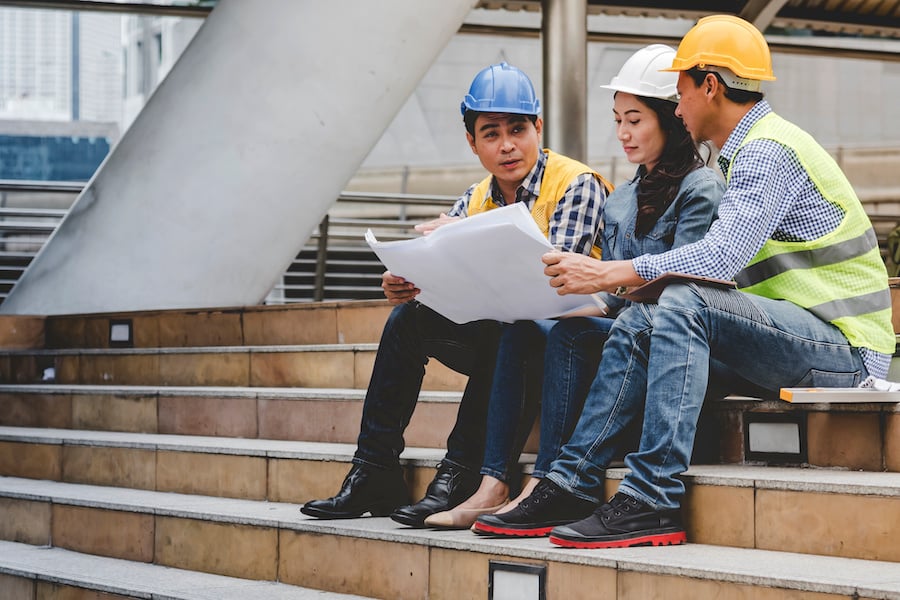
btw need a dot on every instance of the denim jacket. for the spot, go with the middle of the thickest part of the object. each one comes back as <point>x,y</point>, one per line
<point>685,220</point>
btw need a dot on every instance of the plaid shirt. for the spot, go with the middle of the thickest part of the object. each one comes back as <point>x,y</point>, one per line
<point>769,195</point>
<point>576,220</point>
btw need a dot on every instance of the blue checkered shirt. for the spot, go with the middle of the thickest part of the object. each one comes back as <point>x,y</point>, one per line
<point>576,220</point>
<point>769,195</point>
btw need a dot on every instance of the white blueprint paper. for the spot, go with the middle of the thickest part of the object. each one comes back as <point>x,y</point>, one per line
<point>487,266</point>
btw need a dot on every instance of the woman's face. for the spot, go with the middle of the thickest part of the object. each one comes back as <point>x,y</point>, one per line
<point>637,127</point>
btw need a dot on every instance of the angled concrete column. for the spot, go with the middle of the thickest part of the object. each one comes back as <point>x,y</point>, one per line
<point>237,155</point>
<point>564,32</point>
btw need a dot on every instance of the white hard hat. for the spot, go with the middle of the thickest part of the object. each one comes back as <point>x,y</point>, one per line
<point>641,74</point>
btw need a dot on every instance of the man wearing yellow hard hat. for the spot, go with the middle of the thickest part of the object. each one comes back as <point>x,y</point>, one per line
<point>811,308</point>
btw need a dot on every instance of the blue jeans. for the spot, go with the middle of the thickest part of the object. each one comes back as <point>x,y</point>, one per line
<point>656,363</point>
<point>551,360</point>
<point>412,334</point>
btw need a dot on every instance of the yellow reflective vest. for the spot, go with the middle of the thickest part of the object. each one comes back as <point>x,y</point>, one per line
<point>558,175</point>
<point>839,277</point>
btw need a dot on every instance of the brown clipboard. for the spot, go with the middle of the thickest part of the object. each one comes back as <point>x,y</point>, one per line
<point>650,291</point>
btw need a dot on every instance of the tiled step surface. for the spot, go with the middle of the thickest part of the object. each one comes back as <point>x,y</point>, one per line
<point>311,414</point>
<point>21,332</point>
<point>230,467</point>
<point>303,323</point>
<point>317,365</point>
<point>815,511</point>
<point>296,324</point>
<point>28,572</point>
<point>389,561</point>
<point>858,436</point>
<point>862,436</point>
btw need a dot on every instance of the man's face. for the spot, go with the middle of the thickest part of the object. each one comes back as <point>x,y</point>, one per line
<point>506,144</point>
<point>692,106</point>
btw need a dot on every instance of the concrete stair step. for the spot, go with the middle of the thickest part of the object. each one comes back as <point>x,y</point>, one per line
<point>359,321</point>
<point>855,435</point>
<point>312,414</point>
<point>278,470</point>
<point>21,331</point>
<point>276,542</point>
<point>45,572</point>
<point>315,365</point>
<point>815,511</point>
<point>851,435</point>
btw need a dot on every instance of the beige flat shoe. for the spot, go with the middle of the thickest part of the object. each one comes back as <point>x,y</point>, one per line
<point>460,518</point>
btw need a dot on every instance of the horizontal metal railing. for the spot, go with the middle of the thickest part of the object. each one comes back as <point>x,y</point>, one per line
<point>335,262</point>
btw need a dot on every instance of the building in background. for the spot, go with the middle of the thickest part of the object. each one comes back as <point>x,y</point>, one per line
<point>72,68</point>
<point>60,92</point>
<point>151,46</point>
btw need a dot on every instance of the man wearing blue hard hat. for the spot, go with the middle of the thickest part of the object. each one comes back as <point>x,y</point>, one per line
<point>503,128</point>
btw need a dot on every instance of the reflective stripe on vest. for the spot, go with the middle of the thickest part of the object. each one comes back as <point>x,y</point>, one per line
<point>852,307</point>
<point>807,259</point>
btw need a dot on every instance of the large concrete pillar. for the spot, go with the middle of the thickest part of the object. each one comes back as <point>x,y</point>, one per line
<point>238,155</point>
<point>564,37</point>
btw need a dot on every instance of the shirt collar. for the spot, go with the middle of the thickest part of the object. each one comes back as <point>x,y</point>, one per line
<point>638,173</point>
<point>530,188</point>
<point>730,148</point>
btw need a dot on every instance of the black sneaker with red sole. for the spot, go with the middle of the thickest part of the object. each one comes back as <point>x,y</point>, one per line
<point>547,507</point>
<point>622,522</point>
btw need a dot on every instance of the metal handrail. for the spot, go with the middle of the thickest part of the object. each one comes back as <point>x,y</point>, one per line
<point>25,185</point>
<point>54,213</point>
<point>22,227</point>
<point>391,198</point>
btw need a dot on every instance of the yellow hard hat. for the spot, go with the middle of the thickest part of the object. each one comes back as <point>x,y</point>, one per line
<point>725,41</point>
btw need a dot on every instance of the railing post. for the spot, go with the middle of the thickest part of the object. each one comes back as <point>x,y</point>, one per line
<point>321,259</point>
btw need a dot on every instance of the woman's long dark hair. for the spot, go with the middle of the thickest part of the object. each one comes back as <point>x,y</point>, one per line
<point>659,188</point>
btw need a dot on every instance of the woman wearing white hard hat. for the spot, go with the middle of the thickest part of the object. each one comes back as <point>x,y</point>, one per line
<point>671,201</point>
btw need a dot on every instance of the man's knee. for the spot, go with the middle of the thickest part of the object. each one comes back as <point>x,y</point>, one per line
<point>637,317</point>
<point>682,296</point>
<point>694,298</point>
<point>401,318</point>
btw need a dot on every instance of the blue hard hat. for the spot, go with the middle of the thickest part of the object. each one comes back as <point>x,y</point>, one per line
<point>501,88</point>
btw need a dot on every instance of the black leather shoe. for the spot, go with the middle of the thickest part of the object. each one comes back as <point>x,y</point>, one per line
<point>449,488</point>
<point>548,506</point>
<point>365,490</point>
<point>622,522</point>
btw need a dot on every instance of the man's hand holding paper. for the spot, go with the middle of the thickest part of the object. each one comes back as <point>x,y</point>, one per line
<point>429,226</point>
<point>398,290</point>
<point>579,274</point>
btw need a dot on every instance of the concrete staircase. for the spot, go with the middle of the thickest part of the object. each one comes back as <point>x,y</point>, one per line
<point>164,455</point>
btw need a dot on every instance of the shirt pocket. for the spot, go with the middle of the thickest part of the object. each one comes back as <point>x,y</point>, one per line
<point>829,379</point>
<point>661,237</point>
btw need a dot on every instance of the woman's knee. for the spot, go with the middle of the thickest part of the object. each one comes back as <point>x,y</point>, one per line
<point>578,332</point>
<point>521,332</point>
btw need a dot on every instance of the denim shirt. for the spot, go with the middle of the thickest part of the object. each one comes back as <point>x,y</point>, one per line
<point>685,220</point>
